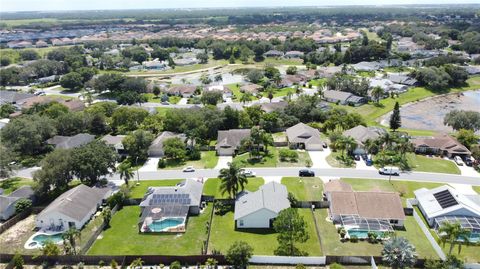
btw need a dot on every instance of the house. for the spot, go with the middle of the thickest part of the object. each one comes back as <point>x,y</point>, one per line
<point>273,106</point>
<point>290,80</point>
<point>72,209</point>
<point>74,105</point>
<point>387,85</point>
<point>302,136</point>
<point>329,71</point>
<point>229,141</point>
<point>336,185</point>
<point>446,204</point>
<point>115,141</point>
<point>70,142</point>
<point>156,148</point>
<point>259,209</point>
<point>71,104</point>
<point>186,91</point>
<point>366,66</point>
<point>361,134</point>
<point>8,202</point>
<point>186,61</point>
<point>443,145</point>
<point>170,204</point>
<point>48,79</point>
<point>226,91</point>
<point>293,54</point>
<point>41,44</point>
<point>273,53</point>
<point>155,65</point>
<point>343,98</point>
<point>12,97</point>
<point>472,70</point>
<point>369,206</point>
<point>403,79</point>
<point>251,88</point>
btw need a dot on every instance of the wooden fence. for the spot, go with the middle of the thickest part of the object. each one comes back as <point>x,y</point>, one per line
<point>18,217</point>
<point>94,236</point>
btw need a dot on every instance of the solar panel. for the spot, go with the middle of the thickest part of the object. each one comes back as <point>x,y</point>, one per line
<point>445,199</point>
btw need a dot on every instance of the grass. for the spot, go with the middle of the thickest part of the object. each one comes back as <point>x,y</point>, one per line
<point>267,160</point>
<point>304,189</point>
<point>181,69</point>
<point>11,184</point>
<point>476,188</point>
<point>123,238</point>
<point>212,186</point>
<point>140,190</point>
<point>151,98</point>
<point>235,90</point>
<point>280,92</point>
<point>162,110</point>
<point>372,35</point>
<point>280,61</point>
<point>333,245</point>
<point>335,160</point>
<point>437,165</point>
<point>318,82</point>
<point>208,160</point>
<point>303,159</point>
<point>263,241</point>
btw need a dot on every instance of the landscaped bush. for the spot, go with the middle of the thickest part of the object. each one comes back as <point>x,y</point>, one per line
<point>353,239</point>
<point>194,154</point>
<point>288,155</point>
<point>222,207</point>
<point>342,232</point>
<point>162,163</point>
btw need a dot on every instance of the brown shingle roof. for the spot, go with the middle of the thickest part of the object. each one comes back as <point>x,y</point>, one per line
<point>443,142</point>
<point>337,185</point>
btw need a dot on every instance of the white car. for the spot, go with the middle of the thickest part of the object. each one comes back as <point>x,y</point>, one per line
<point>389,170</point>
<point>189,169</point>
<point>248,173</point>
<point>458,160</point>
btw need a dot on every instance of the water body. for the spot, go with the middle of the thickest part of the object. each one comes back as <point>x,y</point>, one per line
<point>429,114</point>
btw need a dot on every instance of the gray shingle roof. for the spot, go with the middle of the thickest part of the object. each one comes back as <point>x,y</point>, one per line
<point>70,142</point>
<point>113,139</point>
<point>361,133</point>
<point>231,138</point>
<point>302,133</point>
<point>157,144</point>
<point>11,97</point>
<point>272,196</point>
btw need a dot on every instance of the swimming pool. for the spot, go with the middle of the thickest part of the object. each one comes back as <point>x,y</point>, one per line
<point>38,240</point>
<point>363,234</point>
<point>164,224</point>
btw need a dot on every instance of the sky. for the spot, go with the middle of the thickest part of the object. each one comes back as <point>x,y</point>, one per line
<point>44,5</point>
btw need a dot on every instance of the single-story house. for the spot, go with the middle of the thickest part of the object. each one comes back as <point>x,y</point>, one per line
<point>174,204</point>
<point>343,98</point>
<point>156,148</point>
<point>366,205</point>
<point>186,61</point>
<point>290,80</point>
<point>387,85</point>
<point>259,209</point>
<point>446,204</point>
<point>12,97</point>
<point>229,141</point>
<point>361,134</point>
<point>303,136</point>
<point>366,66</point>
<point>336,185</point>
<point>72,209</point>
<point>185,91</point>
<point>155,65</point>
<point>401,79</point>
<point>294,54</point>
<point>273,106</point>
<point>273,53</point>
<point>443,144</point>
<point>251,88</point>
<point>226,91</point>
<point>329,71</point>
<point>70,142</point>
<point>8,202</point>
<point>116,142</point>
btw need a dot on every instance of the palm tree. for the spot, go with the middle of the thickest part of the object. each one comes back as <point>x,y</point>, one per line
<point>246,97</point>
<point>345,143</point>
<point>377,93</point>
<point>289,96</point>
<point>404,145</point>
<point>453,233</point>
<point>270,94</point>
<point>399,253</point>
<point>70,237</point>
<point>232,180</point>
<point>126,172</point>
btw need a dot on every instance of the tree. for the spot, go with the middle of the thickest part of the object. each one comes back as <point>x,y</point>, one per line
<point>126,119</point>
<point>126,172</point>
<point>239,254</point>
<point>6,110</point>
<point>72,80</point>
<point>377,93</point>
<point>156,91</point>
<point>175,265</point>
<point>218,78</point>
<point>451,262</point>
<point>70,240</point>
<point>211,97</point>
<point>270,94</point>
<point>205,79</point>
<point>454,234</point>
<point>291,70</point>
<point>92,161</point>
<point>254,75</point>
<point>462,119</point>
<point>137,144</point>
<point>246,97</point>
<point>467,137</point>
<point>56,172</point>
<point>107,216</point>
<point>49,248</point>
<point>345,143</point>
<point>23,204</point>
<point>137,263</point>
<point>175,148</point>
<point>395,120</point>
<point>5,61</point>
<point>232,180</point>
<point>17,261</point>
<point>290,227</point>
<point>399,253</point>
<point>202,57</point>
<point>6,161</point>
<point>29,55</point>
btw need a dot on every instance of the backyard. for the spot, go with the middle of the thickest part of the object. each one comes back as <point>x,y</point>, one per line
<point>212,186</point>
<point>263,241</point>
<point>304,189</point>
<point>11,184</point>
<point>123,238</point>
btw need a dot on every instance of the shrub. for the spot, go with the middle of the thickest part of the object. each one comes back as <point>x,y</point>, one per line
<point>113,264</point>
<point>18,261</point>
<point>342,232</point>
<point>162,163</point>
<point>353,239</point>
<point>175,265</point>
<point>195,154</point>
<point>288,155</point>
<point>336,266</point>
<point>23,204</point>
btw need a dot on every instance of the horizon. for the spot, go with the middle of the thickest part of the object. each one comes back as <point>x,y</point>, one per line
<point>110,5</point>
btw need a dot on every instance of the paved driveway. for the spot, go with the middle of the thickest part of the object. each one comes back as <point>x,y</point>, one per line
<point>183,101</point>
<point>223,162</point>
<point>319,158</point>
<point>468,171</point>
<point>150,165</point>
<point>362,165</point>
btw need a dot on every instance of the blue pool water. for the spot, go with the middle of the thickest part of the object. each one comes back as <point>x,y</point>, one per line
<point>41,238</point>
<point>362,234</point>
<point>474,237</point>
<point>160,225</point>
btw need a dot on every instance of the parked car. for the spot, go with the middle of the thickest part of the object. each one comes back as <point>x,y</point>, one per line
<point>389,170</point>
<point>364,157</point>
<point>306,173</point>
<point>324,145</point>
<point>369,162</point>
<point>248,173</point>
<point>39,93</point>
<point>469,161</point>
<point>189,169</point>
<point>458,160</point>
<point>357,157</point>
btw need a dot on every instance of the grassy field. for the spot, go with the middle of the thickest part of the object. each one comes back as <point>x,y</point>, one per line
<point>371,35</point>
<point>212,186</point>
<point>123,238</point>
<point>425,164</point>
<point>263,241</point>
<point>208,160</point>
<point>333,246</point>
<point>304,189</point>
<point>152,99</point>
<point>334,161</point>
<point>11,184</point>
<point>139,191</point>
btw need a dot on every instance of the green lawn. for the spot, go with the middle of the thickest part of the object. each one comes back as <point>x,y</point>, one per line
<point>334,161</point>
<point>268,160</point>
<point>303,159</point>
<point>318,82</point>
<point>280,92</point>
<point>162,110</point>
<point>123,238</point>
<point>235,90</point>
<point>263,241</point>
<point>151,98</point>
<point>11,184</point>
<point>333,246</point>
<point>181,69</point>
<point>437,165</point>
<point>476,188</point>
<point>212,186</point>
<point>208,159</point>
<point>281,61</point>
<point>304,189</point>
<point>139,191</point>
